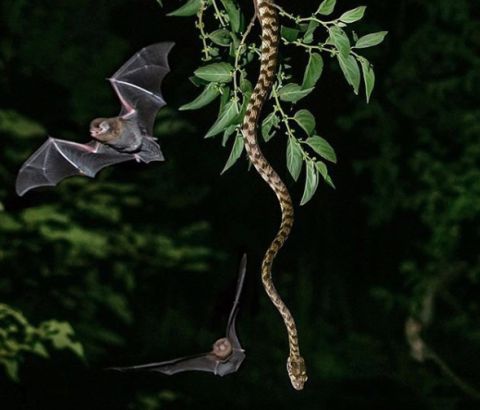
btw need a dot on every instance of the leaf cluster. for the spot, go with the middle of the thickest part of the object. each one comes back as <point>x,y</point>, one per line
<point>18,338</point>
<point>228,52</point>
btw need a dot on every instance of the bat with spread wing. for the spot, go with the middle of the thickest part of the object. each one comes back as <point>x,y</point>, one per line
<point>225,357</point>
<point>117,139</point>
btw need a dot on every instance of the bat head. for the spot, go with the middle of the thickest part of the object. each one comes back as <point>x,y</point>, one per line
<point>222,348</point>
<point>101,129</point>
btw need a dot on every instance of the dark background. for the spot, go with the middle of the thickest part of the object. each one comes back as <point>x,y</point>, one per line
<point>142,261</point>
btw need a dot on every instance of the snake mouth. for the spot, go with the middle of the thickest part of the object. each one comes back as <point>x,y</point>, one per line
<point>299,384</point>
<point>297,372</point>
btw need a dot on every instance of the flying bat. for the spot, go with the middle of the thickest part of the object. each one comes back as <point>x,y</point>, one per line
<point>225,357</point>
<point>117,139</point>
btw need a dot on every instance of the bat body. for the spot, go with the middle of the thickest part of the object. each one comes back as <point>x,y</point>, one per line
<point>225,357</point>
<point>128,136</point>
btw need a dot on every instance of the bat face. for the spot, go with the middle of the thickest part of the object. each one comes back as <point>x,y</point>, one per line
<point>226,355</point>
<point>104,129</point>
<point>129,136</point>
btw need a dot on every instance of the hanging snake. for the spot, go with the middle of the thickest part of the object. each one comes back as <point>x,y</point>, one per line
<point>268,18</point>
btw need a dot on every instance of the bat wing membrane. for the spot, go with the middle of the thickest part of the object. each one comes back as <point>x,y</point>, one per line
<point>138,83</point>
<point>57,159</point>
<point>155,54</point>
<point>203,362</point>
<point>231,324</point>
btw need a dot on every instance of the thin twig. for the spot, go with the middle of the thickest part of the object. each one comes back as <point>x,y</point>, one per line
<point>219,14</point>
<point>201,26</point>
<point>465,387</point>
<point>239,53</point>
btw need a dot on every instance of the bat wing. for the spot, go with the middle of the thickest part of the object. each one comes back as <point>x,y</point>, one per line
<point>231,328</point>
<point>138,83</point>
<point>205,362</point>
<point>57,159</point>
<point>232,364</point>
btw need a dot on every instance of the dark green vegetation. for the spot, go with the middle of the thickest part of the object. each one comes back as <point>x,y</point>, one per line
<point>141,262</point>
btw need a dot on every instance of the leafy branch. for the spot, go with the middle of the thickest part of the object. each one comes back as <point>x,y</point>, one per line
<point>228,52</point>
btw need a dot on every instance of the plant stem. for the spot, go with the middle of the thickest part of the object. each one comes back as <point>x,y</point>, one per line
<point>237,66</point>
<point>201,26</point>
<point>219,14</point>
<point>298,19</point>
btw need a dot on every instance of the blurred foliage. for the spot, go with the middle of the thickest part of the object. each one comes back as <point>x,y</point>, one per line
<point>136,260</point>
<point>427,170</point>
<point>18,338</point>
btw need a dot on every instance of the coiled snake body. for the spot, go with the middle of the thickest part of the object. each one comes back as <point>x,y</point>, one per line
<point>268,17</point>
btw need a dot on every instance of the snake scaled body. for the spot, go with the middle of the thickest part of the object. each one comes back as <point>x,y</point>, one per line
<point>268,17</point>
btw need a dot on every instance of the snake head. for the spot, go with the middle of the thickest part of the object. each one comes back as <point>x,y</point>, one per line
<point>297,372</point>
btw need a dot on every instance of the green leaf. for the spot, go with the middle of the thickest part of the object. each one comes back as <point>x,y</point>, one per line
<point>353,15</point>
<point>16,124</point>
<point>210,93</point>
<point>228,132</point>
<point>311,183</point>
<point>371,40</point>
<point>216,72</point>
<point>309,33</point>
<point>322,169</point>
<point>269,125</point>
<point>339,38</point>
<point>294,158</point>
<point>77,348</point>
<point>237,150</point>
<point>329,181</point>
<point>226,118</point>
<point>225,98</point>
<point>190,8</point>
<point>306,120</point>
<point>368,77</point>
<point>247,89</point>
<point>326,7</point>
<point>197,82</point>
<point>322,148</point>
<point>221,37</point>
<point>350,70</point>
<point>11,368</point>
<point>293,92</point>
<point>60,334</point>
<point>233,14</point>
<point>289,34</point>
<point>313,71</point>
<point>246,86</point>
<point>39,349</point>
